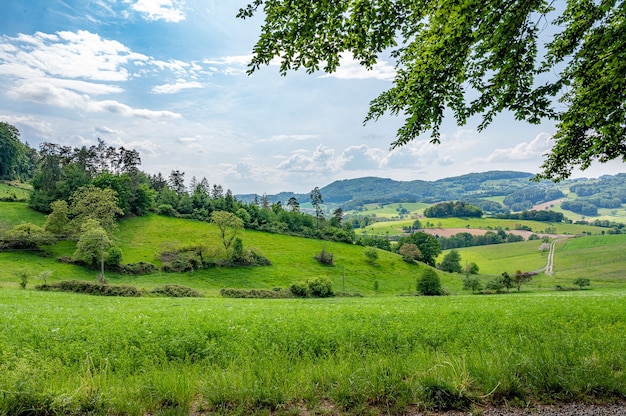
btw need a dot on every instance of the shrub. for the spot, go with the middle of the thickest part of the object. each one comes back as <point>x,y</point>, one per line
<point>185,261</point>
<point>582,282</point>
<point>371,254</point>
<point>496,285</point>
<point>429,284</point>
<point>176,291</point>
<point>324,257</point>
<point>138,268</point>
<point>299,289</point>
<point>91,288</point>
<point>166,209</point>
<point>472,283</point>
<point>256,293</point>
<point>320,287</point>
<point>23,275</point>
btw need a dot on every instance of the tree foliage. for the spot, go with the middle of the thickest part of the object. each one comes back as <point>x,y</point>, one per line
<point>229,224</point>
<point>474,58</point>
<point>17,160</point>
<point>452,209</point>
<point>91,202</point>
<point>428,246</point>
<point>451,262</point>
<point>93,244</point>
<point>429,283</point>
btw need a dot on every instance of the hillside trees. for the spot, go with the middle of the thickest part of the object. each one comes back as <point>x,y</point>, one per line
<point>229,225</point>
<point>91,202</point>
<point>451,262</point>
<point>534,59</point>
<point>429,284</point>
<point>453,209</point>
<point>17,160</point>
<point>316,201</point>
<point>427,245</point>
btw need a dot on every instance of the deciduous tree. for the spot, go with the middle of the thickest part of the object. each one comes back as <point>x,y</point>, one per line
<point>536,59</point>
<point>229,224</point>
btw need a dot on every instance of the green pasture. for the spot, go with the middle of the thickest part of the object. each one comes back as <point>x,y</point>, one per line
<point>507,257</point>
<point>391,210</point>
<point>143,238</point>
<point>392,228</point>
<point>592,257</point>
<point>78,354</point>
<point>598,258</point>
<point>13,213</point>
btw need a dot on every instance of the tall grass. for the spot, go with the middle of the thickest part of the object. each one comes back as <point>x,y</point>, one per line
<point>64,353</point>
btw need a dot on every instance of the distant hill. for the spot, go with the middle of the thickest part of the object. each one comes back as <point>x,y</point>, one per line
<point>515,189</point>
<point>354,192</point>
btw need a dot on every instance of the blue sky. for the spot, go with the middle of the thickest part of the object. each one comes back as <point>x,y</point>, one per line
<point>168,78</point>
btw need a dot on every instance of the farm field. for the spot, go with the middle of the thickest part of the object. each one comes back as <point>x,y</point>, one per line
<point>76,354</point>
<point>392,228</point>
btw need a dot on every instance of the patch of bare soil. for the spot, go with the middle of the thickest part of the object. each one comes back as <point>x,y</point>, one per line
<point>565,409</point>
<point>447,232</point>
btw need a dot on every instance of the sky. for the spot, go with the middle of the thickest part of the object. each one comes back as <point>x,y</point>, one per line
<point>168,78</point>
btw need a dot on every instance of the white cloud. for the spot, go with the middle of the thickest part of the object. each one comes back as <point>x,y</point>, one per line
<point>177,87</point>
<point>523,151</point>
<point>322,160</point>
<point>361,158</point>
<point>240,60</point>
<point>289,137</point>
<point>167,10</point>
<point>69,55</point>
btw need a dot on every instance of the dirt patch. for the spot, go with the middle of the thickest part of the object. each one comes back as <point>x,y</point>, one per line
<point>448,232</point>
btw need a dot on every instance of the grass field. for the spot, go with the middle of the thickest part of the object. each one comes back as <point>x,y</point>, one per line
<point>10,191</point>
<point>391,228</point>
<point>13,213</point>
<point>385,353</point>
<point>142,238</point>
<point>78,354</point>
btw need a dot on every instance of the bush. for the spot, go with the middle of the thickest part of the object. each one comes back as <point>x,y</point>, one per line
<point>324,257</point>
<point>582,282</point>
<point>185,261</point>
<point>299,289</point>
<point>256,293</point>
<point>496,285</point>
<point>472,283</point>
<point>430,284</point>
<point>91,288</point>
<point>166,209</point>
<point>137,268</point>
<point>372,254</point>
<point>176,291</point>
<point>320,287</point>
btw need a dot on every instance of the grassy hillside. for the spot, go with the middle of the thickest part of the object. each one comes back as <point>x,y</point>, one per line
<point>395,227</point>
<point>142,239</point>
<point>14,191</point>
<point>598,258</point>
<point>13,213</point>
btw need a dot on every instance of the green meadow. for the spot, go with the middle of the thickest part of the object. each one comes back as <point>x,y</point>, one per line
<point>78,354</point>
<point>14,191</point>
<point>387,352</point>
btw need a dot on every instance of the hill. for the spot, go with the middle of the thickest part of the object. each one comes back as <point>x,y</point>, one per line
<point>493,192</point>
<point>143,238</point>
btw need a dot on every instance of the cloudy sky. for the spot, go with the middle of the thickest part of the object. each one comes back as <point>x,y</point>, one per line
<point>168,78</point>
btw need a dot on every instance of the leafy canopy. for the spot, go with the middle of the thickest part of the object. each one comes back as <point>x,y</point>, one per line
<point>472,57</point>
